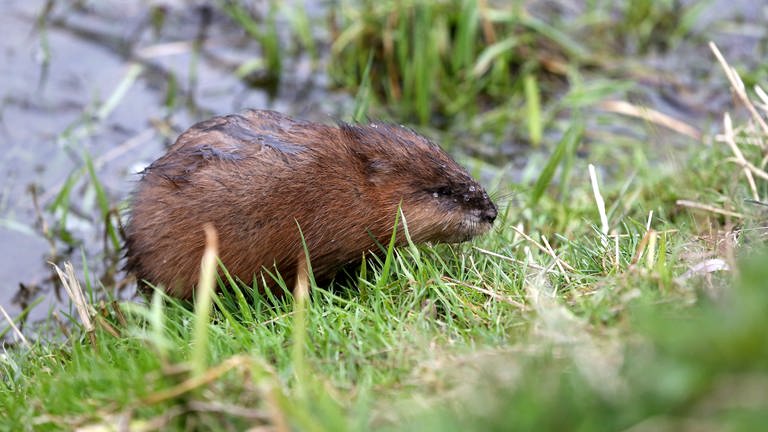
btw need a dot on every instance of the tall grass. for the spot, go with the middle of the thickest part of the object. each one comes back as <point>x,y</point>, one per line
<point>436,60</point>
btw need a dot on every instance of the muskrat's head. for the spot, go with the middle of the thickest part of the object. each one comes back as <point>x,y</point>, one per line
<point>440,200</point>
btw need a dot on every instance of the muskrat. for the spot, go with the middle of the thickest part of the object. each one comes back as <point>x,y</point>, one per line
<point>260,176</point>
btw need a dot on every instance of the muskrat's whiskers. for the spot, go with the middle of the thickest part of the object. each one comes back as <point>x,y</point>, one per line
<point>503,198</point>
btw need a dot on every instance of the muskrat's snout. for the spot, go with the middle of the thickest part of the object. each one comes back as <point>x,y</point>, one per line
<point>480,206</point>
<point>485,213</point>
<point>489,213</point>
<point>475,217</point>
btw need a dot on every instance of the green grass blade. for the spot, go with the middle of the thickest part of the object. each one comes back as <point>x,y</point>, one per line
<point>363,96</point>
<point>568,141</point>
<point>533,109</point>
<point>103,202</point>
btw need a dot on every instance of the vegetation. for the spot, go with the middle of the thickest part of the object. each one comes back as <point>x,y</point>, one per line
<point>622,287</point>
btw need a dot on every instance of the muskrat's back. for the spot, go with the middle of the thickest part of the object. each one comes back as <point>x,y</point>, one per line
<point>260,175</point>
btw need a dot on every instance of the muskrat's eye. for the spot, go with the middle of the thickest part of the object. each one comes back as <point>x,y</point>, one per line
<point>441,192</point>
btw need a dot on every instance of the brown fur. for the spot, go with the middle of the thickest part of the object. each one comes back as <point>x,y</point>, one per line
<point>259,175</point>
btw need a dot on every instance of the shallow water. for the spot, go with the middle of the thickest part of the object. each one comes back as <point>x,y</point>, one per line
<point>57,79</point>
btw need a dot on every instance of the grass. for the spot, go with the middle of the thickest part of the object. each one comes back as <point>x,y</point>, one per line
<point>619,290</point>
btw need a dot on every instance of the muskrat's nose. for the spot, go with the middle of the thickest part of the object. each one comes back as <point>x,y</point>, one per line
<point>489,214</point>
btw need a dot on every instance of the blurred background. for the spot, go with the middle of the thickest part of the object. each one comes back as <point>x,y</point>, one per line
<point>93,91</point>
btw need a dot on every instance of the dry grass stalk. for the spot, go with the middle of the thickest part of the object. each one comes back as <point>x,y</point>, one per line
<point>299,331</point>
<point>75,292</point>
<point>203,302</point>
<point>740,159</point>
<point>640,249</point>
<point>651,116</point>
<point>738,87</point>
<point>648,222</point>
<point>604,227</point>
<point>650,257</point>
<point>763,98</point>
<point>208,376</point>
<point>492,294</point>
<point>15,329</point>
<point>488,32</point>
<point>552,252</point>
<point>507,258</point>
<point>752,168</point>
<point>543,249</point>
<point>708,208</point>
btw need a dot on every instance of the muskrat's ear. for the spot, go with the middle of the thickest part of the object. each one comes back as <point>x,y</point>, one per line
<point>375,169</point>
<point>378,166</point>
<point>372,165</point>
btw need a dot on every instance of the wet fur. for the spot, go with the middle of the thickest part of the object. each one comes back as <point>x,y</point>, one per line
<point>258,175</point>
